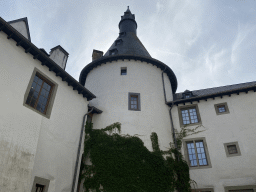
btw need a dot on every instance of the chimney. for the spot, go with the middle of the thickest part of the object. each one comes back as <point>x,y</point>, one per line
<point>96,54</point>
<point>59,56</point>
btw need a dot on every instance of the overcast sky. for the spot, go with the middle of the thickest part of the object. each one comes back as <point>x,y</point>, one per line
<point>207,43</point>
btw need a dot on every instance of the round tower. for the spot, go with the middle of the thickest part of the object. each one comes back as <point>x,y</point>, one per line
<point>131,87</point>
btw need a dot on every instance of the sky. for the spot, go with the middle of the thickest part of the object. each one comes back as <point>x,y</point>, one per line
<point>207,43</point>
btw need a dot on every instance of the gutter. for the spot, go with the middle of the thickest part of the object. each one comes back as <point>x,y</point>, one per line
<point>78,152</point>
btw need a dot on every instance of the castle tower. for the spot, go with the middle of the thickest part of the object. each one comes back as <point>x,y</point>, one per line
<point>131,87</point>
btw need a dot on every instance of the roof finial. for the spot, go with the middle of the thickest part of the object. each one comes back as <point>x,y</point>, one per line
<point>128,10</point>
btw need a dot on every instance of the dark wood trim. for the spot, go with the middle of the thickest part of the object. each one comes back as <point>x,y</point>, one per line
<point>27,50</point>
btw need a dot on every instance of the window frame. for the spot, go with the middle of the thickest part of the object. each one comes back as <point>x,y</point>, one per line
<point>237,148</point>
<point>40,181</point>
<point>180,108</point>
<point>217,109</point>
<point>123,68</point>
<point>129,101</point>
<point>241,187</point>
<point>52,93</point>
<point>185,141</point>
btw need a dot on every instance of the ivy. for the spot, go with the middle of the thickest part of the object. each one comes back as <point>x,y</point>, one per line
<point>121,163</point>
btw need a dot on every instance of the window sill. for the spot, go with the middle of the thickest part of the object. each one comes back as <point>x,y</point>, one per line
<point>191,124</point>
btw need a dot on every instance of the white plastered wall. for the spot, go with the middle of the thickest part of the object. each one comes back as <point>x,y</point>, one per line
<point>112,91</point>
<point>238,125</point>
<point>32,145</point>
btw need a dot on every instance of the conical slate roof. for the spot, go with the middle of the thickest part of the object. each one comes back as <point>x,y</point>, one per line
<point>127,43</point>
<point>128,46</point>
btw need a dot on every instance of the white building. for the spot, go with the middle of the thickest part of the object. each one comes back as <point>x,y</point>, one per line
<point>44,148</point>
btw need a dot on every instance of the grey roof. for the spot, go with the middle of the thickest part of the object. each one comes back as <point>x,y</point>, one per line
<point>218,90</point>
<point>129,45</point>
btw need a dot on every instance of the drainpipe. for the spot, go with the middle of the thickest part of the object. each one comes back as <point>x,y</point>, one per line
<point>173,131</point>
<point>78,152</point>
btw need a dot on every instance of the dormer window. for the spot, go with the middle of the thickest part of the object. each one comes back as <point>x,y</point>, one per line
<point>118,42</point>
<point>122,34</point>
<point>187,94</point>
<point>113,52</point>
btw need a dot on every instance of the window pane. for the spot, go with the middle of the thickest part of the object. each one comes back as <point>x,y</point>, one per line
<point>232,149</point>
<point>191,154</point>
<point>221,108</point>
<point>193,115</point>
<point>200,152</point>
<point>40,81</point>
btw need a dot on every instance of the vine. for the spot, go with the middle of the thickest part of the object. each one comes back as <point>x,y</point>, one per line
<point>121,163</point>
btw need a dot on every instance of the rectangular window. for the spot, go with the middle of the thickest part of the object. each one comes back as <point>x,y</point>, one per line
<point>134,101</point>
<point>189,115</point>
<point>244,188</point>
<point>221,108</point>
<point>39,188</point>
<point>40,184</point>
<point>196,153</point>
<point>232,149</point>
<point>123,71</point>
<point>40,93</point>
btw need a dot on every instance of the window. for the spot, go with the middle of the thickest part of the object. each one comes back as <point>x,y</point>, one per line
<point>122,34</point>
<point>40,184</point>
<point>113,52</point>
<point>189,115</point>
<point>39,188</point>
<point>123,71</point>
<point>232,149</point>
<point>134,101</point>
<point>40,94</point>
<point>118,42</point>
<point>196,153</point>
<point>245,188</point>
<point>221,108</point>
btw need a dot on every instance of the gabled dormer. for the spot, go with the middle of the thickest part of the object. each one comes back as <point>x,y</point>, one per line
<point>187,94</point>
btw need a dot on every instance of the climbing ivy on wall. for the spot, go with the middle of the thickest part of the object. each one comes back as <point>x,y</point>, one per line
<point>121,163</point>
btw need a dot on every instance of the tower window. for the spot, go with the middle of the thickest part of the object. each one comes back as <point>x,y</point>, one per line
<point>118,42</point>
<point>113,52</point>
<point>123,71</point>
<point>134,101</point>
<point>122,34</point>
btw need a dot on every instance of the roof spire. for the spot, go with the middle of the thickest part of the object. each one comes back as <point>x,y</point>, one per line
<point>128,23</point>
<point>128,10</point>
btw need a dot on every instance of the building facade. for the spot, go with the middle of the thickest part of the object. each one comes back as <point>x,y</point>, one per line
<point>41,140</point>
